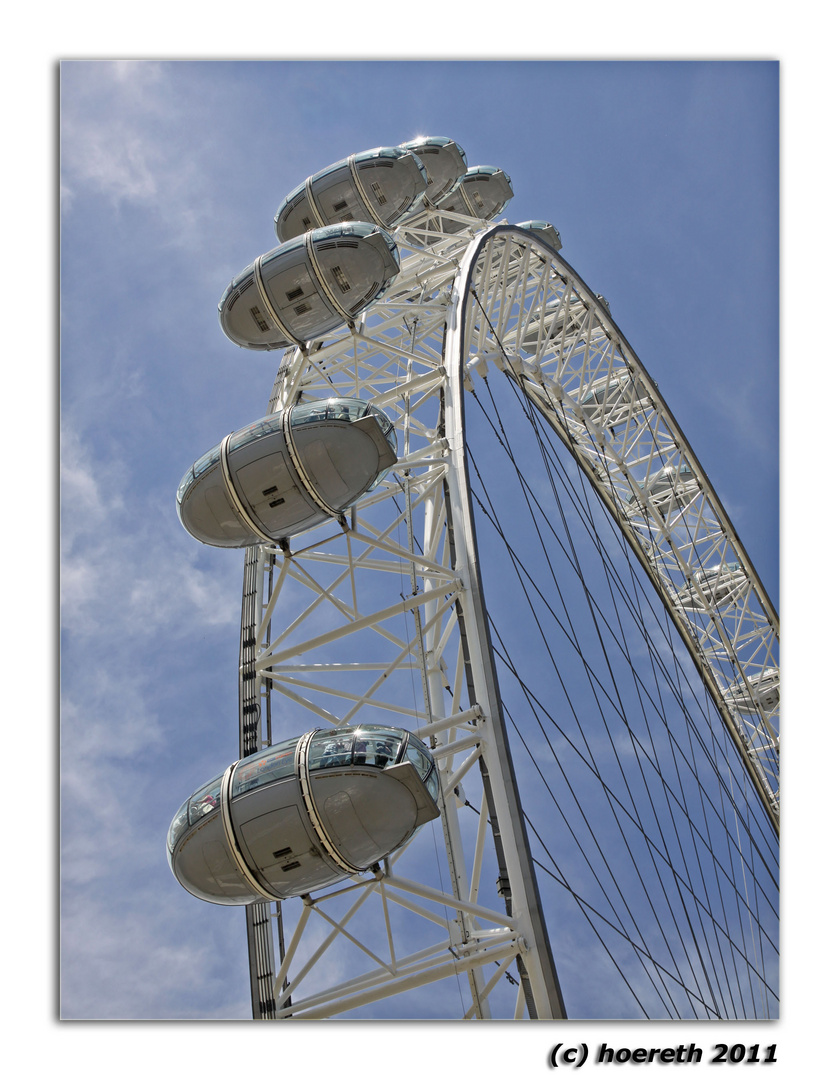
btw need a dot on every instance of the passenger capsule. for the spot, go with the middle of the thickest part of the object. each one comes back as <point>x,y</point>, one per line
<point>544,230</point>
<point>548,324</point>
<point>760,692</point>
<point>718,586</point>
<point>482,192</point>
<point>303,814</point>
<point>308,286</point>
<point>287,472</point>
<point>610,401</point>
<point>444,161</point>
<point>670,487</point>
<point>379,186</point>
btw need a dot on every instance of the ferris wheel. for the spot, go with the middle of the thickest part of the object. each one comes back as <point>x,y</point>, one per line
<point>375,826</point>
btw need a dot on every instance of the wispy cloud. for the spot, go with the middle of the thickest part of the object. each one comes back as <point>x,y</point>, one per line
<point>104,149</point>
<point>130,138</point>
<point>141,961</point>
<point>125,565</point>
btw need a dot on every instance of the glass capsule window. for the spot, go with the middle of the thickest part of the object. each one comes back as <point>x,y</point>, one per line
<point>386,425</point>
<point>392,247</point>
<point>665,480</point>
<point>205,801</point>
<point>373,746</point>
<point>348,409</point>
<point>293,194</point>
<point>205,462</point>
<point>330,750</point>
<point>392,152</point>
<point>615,387</point>
<point>282,251</point>
<point>376,746</point>
<point>434,140</point>
<point>330,169</point>
<point>179,823</point>
<point>421,758</point>
<point>268,425</point>
<point>330,409</point>
<point>342,229</point>
<point>275,763</point>
<point>189,476</point>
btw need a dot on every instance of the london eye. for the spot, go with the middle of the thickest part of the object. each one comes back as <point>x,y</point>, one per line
<point>508,679</point>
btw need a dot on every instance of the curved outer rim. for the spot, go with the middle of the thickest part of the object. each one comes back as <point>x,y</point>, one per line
<point>537,969</point>
<point>636,368</point>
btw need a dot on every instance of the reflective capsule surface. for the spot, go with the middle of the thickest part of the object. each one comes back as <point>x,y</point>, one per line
<point>558,319</point>
<point>380,186</point>
<point>286,472</point>
<point>444,161</point>
<point>610,401</point>
<point>672,487</point>
<point>303,814</point>
<point>307,287</point>
<point>719,586</point>
<point>482,192</point>
<point>544,230</point>
<point>758,692</point>
<point>545,328</point>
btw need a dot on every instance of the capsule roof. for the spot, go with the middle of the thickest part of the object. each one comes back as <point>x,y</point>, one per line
<point>444,161</point>
<point>545,230</point>
<point>549,324</point>
<point>308,286</point>
<point>380,186</point>
<point>672,485</point>
<point>612,400</point>
<point>286,472</point>
<point>482,192</point>
<point>719,585</point>
<point>761,691</point>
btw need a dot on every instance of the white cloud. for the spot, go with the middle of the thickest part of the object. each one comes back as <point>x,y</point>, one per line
<point>89,496</point>
<point>129,136</point>
<point>106,150</point>
<point>123,571</point>
<point>139,963</point>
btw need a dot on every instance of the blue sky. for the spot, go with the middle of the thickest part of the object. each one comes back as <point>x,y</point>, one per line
<point>662,179</point>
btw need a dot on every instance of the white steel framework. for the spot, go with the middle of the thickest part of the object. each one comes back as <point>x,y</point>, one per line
<point>379,618</point>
